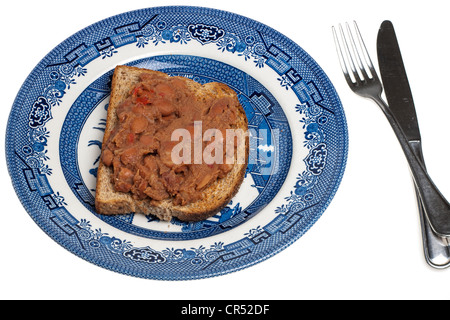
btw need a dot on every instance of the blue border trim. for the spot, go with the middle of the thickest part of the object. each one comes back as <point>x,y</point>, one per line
<point>28,200</point>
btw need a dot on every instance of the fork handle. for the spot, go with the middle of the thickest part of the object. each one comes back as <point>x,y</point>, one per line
<point>436,207</point>
<point>436,249</point>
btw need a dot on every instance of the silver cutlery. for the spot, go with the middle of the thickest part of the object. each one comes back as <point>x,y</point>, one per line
<point>362,78</point>
<point>401,103</point>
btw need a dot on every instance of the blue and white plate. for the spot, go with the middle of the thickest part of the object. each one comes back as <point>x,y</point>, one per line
<point>298,143</point>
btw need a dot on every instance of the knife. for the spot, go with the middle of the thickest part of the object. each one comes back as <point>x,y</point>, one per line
<point>401,103</point>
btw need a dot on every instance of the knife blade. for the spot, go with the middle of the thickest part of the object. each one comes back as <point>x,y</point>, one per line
<point>395,81</point>
<point>400,101</point>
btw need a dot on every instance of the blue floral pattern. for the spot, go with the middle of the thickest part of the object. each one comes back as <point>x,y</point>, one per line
<point>29,160</point>
<point>204,33</point>
<point>195,256</point>
<point>40,113</point>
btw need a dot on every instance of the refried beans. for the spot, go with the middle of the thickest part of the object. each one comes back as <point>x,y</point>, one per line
<point>139,148</point>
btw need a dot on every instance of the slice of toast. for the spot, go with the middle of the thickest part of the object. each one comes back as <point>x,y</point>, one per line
<point>215,197</point>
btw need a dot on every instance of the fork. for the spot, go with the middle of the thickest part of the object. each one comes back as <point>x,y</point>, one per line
<point>363,80</point>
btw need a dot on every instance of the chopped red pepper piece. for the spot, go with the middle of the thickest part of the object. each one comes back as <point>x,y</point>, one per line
<point>143,100</point>
<point>135,91</point>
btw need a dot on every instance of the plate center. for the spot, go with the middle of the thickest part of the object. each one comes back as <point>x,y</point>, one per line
<point>269,160</point>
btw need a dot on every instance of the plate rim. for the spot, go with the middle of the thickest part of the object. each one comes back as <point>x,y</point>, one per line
<point>26,202</point>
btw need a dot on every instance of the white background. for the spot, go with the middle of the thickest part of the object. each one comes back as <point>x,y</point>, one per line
<point>367,245</point>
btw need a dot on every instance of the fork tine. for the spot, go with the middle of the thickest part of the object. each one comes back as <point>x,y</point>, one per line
<point>356,52</point>
<point>339,52</point>
<point>349,55</point>
<point>365,51</point>
<point>342,57</point>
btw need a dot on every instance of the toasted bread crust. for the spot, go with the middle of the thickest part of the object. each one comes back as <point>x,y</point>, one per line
<point>214,198</point>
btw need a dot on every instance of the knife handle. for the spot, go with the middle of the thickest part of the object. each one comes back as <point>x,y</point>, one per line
<point>436,249</point>
<point>436,207</point>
